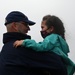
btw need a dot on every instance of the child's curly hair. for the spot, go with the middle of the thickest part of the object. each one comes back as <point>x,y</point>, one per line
<point>56,23</point>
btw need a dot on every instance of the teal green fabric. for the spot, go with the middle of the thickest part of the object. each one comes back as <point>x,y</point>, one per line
<point>56,44</point>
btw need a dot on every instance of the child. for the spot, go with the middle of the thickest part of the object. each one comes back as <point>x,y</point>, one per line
<point>53,33</point>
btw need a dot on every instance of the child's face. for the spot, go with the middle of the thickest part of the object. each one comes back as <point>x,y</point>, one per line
<point>45,31</point>
<point>45,28</point>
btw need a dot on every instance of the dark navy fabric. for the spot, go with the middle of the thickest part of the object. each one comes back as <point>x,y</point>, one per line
<point>25,61</point>
<point>17,16</point>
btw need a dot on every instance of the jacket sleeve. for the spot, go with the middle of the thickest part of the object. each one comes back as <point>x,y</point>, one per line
<point>67,61</point>
<point>47,44</point>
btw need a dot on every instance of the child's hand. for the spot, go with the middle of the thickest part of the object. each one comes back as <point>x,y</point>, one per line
<point>18,43</point>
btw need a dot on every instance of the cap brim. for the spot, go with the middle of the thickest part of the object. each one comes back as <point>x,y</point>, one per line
<point>27,21</point>
<point>30,22</point>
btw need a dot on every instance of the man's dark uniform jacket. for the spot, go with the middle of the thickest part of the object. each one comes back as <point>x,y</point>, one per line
<point>25,61</point>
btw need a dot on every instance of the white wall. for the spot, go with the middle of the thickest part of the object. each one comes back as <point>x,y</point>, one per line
<point>35,10</point>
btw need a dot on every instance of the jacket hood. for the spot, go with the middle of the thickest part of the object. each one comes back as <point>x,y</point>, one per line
<point>64,45</point>
<point>14,36</point>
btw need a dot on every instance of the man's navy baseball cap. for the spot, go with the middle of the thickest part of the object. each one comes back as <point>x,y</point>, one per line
<point>16,16</point>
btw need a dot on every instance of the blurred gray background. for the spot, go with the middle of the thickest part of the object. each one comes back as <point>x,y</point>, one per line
<point>35,10</point>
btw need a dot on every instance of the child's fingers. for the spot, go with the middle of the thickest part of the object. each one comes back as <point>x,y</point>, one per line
<point>15,44</point>
<point>18,43</point>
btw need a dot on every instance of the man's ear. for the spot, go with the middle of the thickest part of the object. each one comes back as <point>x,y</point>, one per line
<point>14,26</point>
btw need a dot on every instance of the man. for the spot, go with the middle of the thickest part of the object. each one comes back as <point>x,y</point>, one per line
<point>21,60</point>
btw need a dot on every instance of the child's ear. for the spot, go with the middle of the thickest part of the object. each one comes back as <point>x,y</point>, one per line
<point>51,28</point>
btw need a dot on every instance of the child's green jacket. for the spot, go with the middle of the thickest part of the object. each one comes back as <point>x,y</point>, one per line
<point>56,44</point>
